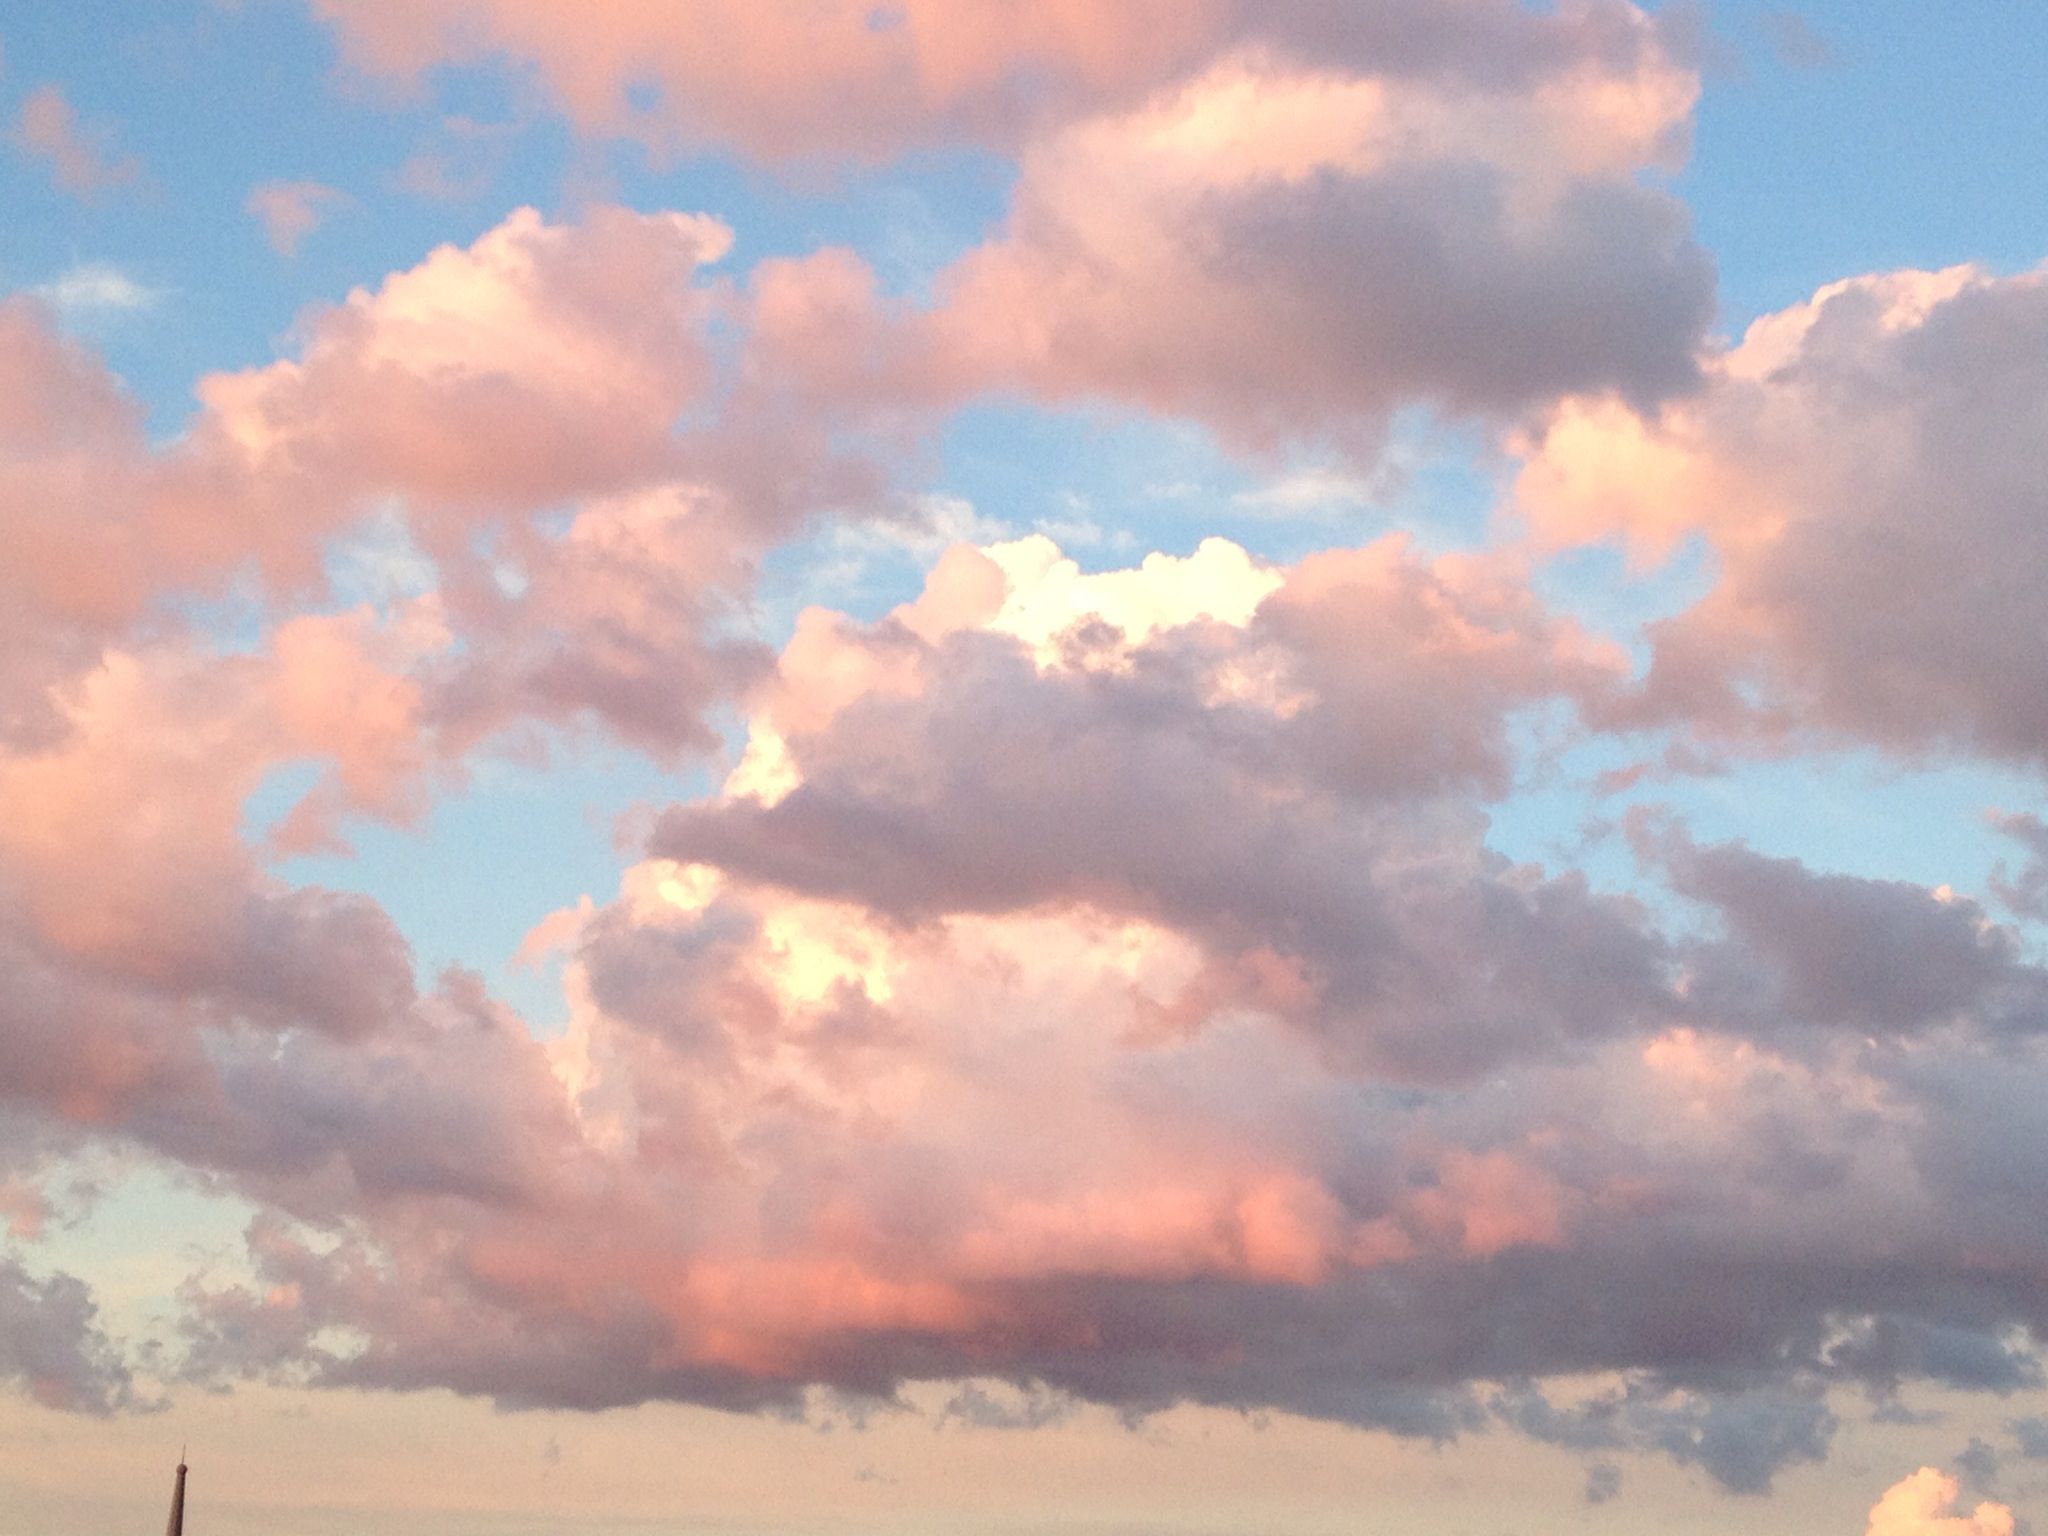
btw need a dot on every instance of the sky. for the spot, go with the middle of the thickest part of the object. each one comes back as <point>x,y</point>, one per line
<point>1027,766</point>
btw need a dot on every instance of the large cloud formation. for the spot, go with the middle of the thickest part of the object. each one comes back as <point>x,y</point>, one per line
<point>1095,986</point>
<point>1082,983</point>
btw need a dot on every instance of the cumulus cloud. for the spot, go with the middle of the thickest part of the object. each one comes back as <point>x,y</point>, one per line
<point>2023,890</point>
<point>1266,1110</point>
<point>540,363</point>
<point>1836,951</point>
<point>1252,216</point>
<point>1865,467</point>
<point>465,402</point>
<point>1292,251</point>
<point>1928,1504</point>
<point>1086,986</point>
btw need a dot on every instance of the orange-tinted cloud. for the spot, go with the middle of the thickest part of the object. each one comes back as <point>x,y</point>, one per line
<point>1929,1504</point>
<point>1066,988</point>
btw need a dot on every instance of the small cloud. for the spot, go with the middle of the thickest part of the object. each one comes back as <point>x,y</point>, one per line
<point>463,165</point>
<point>1978,1463</point>
<point>291,210</point>
<point>1002,1405</point>
<point>1603,1482</point>
<point>1794,42</point>
<point>1070,532</point>
<point>81,157</point>
<point>935,523</point>
<point>1308,492</point>
<point>97,288</point>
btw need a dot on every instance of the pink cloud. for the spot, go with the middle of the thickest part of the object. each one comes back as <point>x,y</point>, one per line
<point>540,363</point>
<point>1855,464</point>
<point>80,157</point>
<point>1283,251</point>
<point>1133,1116</point>
<point>848,77</point>
<point>543,364</point>
<point>1205,193</point>
<point>291,210</point>
<point>840,76</point>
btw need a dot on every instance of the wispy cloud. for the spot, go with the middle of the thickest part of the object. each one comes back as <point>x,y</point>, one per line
<point>1307,492</point>
<point>97,287</point>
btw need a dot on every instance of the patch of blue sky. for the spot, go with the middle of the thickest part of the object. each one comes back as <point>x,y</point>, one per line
<point>907,217</point>
<point>1913,136</point>
<point>242,98</point>
<point>1109,485</point>
<point>1846,811</point>
<point>144,1229</point>
<point>482,867</point>
<point>1596,585</point>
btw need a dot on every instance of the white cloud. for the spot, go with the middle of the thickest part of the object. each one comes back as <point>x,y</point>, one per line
<point>1309,491</point>
<point>97,287</point>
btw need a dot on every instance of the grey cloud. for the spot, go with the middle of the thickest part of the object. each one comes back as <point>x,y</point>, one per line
<point>1414,283</point>
<point>1841,951</point>
<point>1603,1482</point>
<point>1154,803</point>
<point>51,1343</point>
<point>2024,891</point>
<point>1898,604</point>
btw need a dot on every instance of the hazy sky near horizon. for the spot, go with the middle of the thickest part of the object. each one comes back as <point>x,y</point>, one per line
<point>1040,766</point>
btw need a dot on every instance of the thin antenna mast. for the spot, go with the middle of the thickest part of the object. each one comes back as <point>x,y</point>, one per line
<point>176,1527</point>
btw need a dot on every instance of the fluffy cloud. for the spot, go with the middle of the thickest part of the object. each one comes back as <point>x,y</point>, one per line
<point>1927,1504</point>
<point>901,1062</point>
<point>1866,468</point>
<point>1285,250</point>
<point>464,402</point>
<point>1086,985</point>
<point>849,77</point>
<point>1836,951</point>
<point>1244,782</point>
<point>541,363</point>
